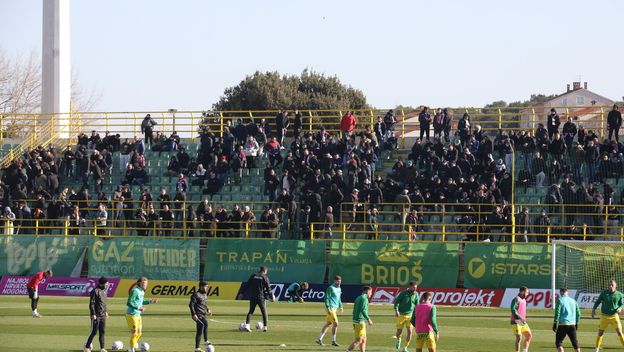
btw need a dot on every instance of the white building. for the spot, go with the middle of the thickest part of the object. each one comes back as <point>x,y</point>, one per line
<point>584,106</point>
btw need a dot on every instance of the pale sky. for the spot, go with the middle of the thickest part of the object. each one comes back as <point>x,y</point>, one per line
<point>156,55</point>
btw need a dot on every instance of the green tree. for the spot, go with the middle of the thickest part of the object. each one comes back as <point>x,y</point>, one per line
<point>308,91</point>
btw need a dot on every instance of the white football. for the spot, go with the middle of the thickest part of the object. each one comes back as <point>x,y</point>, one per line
<point>145,346</point>
<point>241,327</point>
<point>210,348</point>
<point>117,346</point>
<point>259,325</point>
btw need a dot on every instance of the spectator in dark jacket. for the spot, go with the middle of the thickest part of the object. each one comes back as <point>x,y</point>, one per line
<point>298,124</point>
<point>557,147</point>
<point>424,118</point>
<point>539,169</point>
<point>554,198</point>
<point>591,159</point>
<point>553,123</point>
<point>542,226</point>
<point>569,131</point>
<point>147,127</point>
<point>614,122</point>
<point>464,129</point>
<point>523,224</point>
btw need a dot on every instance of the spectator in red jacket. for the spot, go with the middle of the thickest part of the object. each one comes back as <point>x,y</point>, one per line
<point>33,288</point>
<point>272,148</point>
<point>347,124</point>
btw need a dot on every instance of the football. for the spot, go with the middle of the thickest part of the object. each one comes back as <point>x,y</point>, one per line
<point>117,346</point>
<point>241,327</point>
<point>145,346</point>
<point>210,348</point>
<point>259,325</point>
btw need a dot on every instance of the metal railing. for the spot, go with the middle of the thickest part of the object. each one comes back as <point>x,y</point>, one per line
<point>144,228</point>
<point>188,123</point>
<point>352,231</point>
<point>586,221</point>
<point>36,131</point>
<point>394,232</point>
<point>388,221</point>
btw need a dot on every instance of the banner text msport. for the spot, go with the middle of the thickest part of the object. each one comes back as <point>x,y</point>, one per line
<point>55,286</point>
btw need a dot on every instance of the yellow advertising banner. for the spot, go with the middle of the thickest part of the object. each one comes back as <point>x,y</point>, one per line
<point>174,288</point>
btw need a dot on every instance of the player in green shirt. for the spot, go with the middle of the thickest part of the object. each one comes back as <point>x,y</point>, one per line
<point>612,303</point>
<point>567,317</point>
<point>404,305</point>
<point>333,302</point>
<point>135,304</point>
<point>360,318</point>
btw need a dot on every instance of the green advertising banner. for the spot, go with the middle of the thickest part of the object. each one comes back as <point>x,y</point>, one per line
<point>395,264</point>
<point>506,265</point>
<point>26,255</point>
<point>236,260</point>
<point>156,258</point>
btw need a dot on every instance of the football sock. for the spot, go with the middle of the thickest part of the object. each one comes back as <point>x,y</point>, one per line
<point>598,341</point>
<point>334,338</point>
<point>621,337</point>
<point>321,336</point>
<point>134,339</point>
<point>407,342</point>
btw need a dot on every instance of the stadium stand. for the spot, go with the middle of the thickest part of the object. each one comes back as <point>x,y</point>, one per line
<point>336,176</point>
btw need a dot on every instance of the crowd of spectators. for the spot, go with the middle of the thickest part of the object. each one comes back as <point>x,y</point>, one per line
<point>328,177</point>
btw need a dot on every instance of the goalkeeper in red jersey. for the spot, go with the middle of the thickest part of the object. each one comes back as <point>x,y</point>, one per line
<point>33,290</point>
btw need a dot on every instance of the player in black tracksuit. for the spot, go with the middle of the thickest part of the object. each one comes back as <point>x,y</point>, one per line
<point>98,313</point>
<point>259,287</point>
<point>199,311</point>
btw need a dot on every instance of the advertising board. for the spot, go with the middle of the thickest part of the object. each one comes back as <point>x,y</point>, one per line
<point>537,298</point>
<point>175,288</point>
<point>55,286</point>
<point>468,297</point>
<point>315,293</point>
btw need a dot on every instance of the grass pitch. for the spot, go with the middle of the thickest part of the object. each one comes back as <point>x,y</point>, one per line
<point>168,327</point>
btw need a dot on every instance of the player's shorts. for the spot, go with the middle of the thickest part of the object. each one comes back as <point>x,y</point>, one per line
<point>610,320</point>
<point>359,330</point>
<point>134,322</point>
<point>562,332</point>
<point>425,339</point>
<point>332,317</point>
<point>32,294</point>
<point>519,329</point>
<point>403,321</point>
